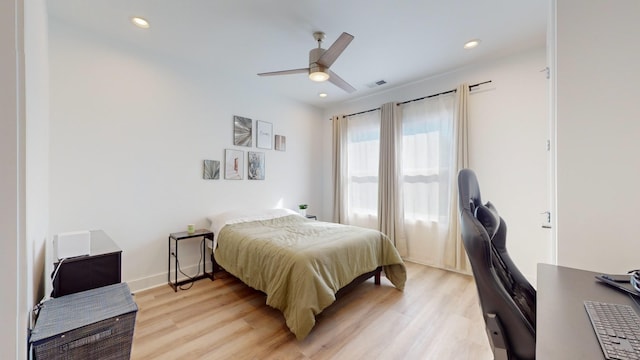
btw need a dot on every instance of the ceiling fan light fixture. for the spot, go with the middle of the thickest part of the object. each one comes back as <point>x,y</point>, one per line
<point>319,76</point>
<point>317,73</point>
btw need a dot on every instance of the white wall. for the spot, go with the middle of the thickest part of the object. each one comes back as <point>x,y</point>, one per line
<point>12,301</point>
<point>129,132</point>
<point>37,146</point>
<point>507,138</point>
<point>23,181</point>
<point>597,134</point>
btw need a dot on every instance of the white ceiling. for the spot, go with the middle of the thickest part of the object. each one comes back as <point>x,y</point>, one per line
<point>397,41</point>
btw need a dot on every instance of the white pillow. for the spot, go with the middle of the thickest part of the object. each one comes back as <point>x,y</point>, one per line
<point>218,221</point>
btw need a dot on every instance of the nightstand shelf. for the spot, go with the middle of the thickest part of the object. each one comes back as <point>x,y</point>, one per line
<point>177,238</point>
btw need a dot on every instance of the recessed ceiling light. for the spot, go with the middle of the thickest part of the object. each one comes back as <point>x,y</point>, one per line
<point>140,22</point>
<point>471,43</point>
<point>322,95</point>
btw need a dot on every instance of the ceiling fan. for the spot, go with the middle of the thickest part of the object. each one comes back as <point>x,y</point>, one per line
<point>320,60</point>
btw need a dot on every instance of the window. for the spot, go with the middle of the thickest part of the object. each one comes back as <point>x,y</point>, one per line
<point>363,141</point>
<point>427,131</point>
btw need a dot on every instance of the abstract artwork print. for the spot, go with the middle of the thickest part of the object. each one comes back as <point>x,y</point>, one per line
<point>242,134</point>
<point>211,170</point>
<point>256,166</point>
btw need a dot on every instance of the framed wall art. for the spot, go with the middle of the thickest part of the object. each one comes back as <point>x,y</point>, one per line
<point>281,143</point>
<point>264,134</point>
<point>242,131</point>
<point>256,166</point>
<point>211,170</point>
<point>233,164</point>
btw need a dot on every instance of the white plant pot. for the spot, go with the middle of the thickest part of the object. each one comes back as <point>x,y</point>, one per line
<point>303,212</point>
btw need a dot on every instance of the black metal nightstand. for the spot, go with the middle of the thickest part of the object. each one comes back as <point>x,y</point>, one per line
<point>177,237</point>
<point>311,217</point>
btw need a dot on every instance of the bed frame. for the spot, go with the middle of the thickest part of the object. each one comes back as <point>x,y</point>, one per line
<point>359,280</point>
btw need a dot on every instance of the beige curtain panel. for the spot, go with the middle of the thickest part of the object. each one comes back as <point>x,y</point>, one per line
<point>455,255</point>
<point>390,205</point>
<point>339,164</point>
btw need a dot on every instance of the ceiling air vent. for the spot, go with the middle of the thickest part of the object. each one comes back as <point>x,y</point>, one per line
<point>376,84</point>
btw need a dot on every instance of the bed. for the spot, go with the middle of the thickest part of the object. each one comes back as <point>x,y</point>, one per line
<point>299,263</point>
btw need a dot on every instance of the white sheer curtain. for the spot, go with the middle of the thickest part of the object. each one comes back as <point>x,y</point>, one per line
<point>428,175</point>
<point>363,144</point>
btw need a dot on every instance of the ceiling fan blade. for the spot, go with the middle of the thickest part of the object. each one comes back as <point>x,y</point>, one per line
<point>286,72</point>
<point>332,53</point>
<point>339,82</point>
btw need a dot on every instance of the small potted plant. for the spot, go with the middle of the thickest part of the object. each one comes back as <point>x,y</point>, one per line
<point>303,209</point>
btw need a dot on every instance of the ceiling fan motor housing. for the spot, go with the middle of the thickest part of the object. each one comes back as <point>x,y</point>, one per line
<point>314,67</point>
<point>314,55</point>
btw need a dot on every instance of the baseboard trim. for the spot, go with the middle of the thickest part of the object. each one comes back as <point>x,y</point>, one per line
<point>160,279</point>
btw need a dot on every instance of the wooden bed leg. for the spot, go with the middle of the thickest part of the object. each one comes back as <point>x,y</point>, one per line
<point>376,278</point>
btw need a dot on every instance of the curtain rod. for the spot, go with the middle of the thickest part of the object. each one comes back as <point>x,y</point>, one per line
<point>443,93</point>
<point>362,112</point>
<point>422,98</point>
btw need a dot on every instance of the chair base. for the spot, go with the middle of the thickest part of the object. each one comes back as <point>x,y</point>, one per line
<point>496,338</point>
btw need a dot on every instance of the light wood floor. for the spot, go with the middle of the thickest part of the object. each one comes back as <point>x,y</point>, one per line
<point>436,317</point>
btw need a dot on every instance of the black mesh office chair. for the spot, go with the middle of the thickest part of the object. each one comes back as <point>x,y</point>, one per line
<point>507,299</point>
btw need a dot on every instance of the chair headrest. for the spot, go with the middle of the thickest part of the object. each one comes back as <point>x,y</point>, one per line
<point>488,216</point>
<point>469,190</point>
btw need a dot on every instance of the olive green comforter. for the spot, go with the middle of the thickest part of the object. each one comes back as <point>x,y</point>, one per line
<point>300,264</point>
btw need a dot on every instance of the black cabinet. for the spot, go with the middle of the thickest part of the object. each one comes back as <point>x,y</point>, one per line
<point>101,267</point>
